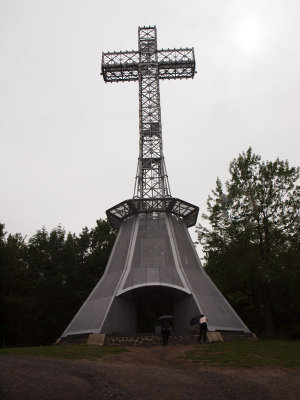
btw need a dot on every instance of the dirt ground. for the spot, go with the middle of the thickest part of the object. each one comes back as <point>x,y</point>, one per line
<point>142,373</point>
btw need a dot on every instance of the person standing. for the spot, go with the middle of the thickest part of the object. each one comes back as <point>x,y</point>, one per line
<point>165,332</point>
<point>203,328</point>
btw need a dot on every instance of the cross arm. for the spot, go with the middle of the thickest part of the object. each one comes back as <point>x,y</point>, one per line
<point>120,66</point>
<point>124,65</point>
<point>176,63</point>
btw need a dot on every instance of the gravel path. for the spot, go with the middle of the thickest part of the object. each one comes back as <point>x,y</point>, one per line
<point>142,373</point>
<point>35,378</point>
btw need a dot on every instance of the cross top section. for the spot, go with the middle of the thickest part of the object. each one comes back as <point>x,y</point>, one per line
<point>148,65</point>
<point>120,66</point>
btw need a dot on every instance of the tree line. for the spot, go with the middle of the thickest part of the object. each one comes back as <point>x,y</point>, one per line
<point>44,281</point>
<point>250,236</point>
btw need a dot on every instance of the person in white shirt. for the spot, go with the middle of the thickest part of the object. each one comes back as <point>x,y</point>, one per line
<point>203,328</point>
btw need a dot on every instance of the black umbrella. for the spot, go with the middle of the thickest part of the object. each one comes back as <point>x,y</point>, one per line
<point>195,320</point>
<point>166,317</point>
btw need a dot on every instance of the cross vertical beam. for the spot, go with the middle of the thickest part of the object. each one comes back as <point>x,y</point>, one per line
<point>151,180</point>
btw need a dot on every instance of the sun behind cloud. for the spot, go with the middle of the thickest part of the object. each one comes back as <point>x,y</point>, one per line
<point>247,34</point>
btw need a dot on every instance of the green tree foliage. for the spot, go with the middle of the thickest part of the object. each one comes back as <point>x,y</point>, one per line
<point>44,281</point>
<point>252,246</point>
<point>15,299</point>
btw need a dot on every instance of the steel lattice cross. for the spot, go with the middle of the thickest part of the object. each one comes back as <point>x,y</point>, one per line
<point>148,65</point>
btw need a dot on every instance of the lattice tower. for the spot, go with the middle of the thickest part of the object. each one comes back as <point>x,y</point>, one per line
<point>147,66</point>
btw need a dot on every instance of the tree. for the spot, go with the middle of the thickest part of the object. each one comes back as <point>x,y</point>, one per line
<point>252,245</point>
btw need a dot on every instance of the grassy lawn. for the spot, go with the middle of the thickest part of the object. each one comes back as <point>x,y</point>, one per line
<point>74,352</point>
<point>262,353</point>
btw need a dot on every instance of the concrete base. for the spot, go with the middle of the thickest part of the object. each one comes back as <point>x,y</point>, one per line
<point>96,338</point>
<point>156,339</point>
<point>214,337</point>
<point>148,339</point>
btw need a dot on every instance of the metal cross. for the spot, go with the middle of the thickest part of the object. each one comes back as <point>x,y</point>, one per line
<point>148,65</point>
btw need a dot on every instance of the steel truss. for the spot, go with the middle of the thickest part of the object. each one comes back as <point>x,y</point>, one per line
<point>124,65</point>
<point>148,65</point>
<point>186,211</point>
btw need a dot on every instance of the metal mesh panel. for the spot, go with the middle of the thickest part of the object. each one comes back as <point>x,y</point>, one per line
<point>121,316</point>
<point>119,255</point>
<point>212,303</point>
<point>153,260</point>
<point>167,276</point>
<point>107,285</point>
<point>201,283</point>
<point>92,313</point>
<point>139,276</point>
<point>184,308</point>
<point>219,312</point>
<point>89,317</point>
<point>187,256</point>
<point>153,275</point>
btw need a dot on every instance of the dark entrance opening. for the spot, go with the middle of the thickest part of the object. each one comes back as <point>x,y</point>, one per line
<point>152,302</point>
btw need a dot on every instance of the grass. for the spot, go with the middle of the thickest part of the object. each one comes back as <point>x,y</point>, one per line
<point>261,353</point>
<point>73,352</point>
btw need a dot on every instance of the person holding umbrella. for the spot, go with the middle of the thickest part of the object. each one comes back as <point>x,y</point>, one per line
<point>203,328</point>
<point>165,329</point>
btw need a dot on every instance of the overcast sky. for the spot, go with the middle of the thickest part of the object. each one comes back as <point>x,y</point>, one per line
<point>69,142</point>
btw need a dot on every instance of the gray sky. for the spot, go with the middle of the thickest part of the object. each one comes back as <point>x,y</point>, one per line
<point>69,142</point>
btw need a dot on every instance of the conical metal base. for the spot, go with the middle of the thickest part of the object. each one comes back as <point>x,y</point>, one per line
<point>153,264</point>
